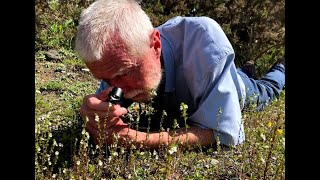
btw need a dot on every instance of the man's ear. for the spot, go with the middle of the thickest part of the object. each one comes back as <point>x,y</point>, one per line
<point>155,42</point>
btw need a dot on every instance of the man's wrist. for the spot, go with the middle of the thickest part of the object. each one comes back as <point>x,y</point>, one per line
<point>135,138</point>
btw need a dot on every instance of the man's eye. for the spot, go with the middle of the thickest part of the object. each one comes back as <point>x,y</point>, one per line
<point>124,74</point>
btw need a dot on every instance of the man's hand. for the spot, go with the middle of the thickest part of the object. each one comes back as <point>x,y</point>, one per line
<point>101,115</point>
<point>95,104</point>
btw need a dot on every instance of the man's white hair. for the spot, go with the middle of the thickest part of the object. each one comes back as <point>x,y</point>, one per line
<point>103,18</point>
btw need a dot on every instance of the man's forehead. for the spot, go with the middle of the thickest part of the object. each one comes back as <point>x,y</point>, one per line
<point>111,67</point>
<point>101,65</point>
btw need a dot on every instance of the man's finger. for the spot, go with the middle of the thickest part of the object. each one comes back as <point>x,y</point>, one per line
<point>112,122</point>
<point>103,95</point>
<point>118,111</point>
<point>96,104</point>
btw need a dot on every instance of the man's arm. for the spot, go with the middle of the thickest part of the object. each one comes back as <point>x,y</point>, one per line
<point>191,136</point>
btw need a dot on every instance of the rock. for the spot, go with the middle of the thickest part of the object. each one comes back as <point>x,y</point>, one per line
<point>52,55</point>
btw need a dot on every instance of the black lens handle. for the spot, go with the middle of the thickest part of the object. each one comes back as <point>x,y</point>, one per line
<point>116,97</point>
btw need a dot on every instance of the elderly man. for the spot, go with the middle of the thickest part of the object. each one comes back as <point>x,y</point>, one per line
<point>186,60</point>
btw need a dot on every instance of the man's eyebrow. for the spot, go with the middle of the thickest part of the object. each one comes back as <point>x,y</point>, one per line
<point>121,71</point>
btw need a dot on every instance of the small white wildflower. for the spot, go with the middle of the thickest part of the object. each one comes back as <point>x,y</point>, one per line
<point>78,163</point>
<point>49,163</point>
<point>154,152</point>
<point>113,145</point>
<point>122,150</point>
<point>114,154</point>
<point>39,149</point>
<point>54,176</point>
<point>55,143</point>
<point>157,157</point>
<point>64,170</point>
<point>263,136</point>
<point>173,149</point>
<point>96,118</point>
<point>164,113</point>
<point>100,163</point>
<point>60,145</point>
<point>56,153</point>
<point>133,146</point>
<point>88,135</point>
<point>44,168</point>
<point>183,106</point>
<point>153,93</point>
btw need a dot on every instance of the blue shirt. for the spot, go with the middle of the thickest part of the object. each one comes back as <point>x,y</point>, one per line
<point>200,70</point>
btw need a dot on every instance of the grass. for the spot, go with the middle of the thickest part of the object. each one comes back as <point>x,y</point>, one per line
<point>63,150</point>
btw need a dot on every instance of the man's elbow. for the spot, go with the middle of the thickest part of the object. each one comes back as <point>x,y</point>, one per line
<point>229,139</point>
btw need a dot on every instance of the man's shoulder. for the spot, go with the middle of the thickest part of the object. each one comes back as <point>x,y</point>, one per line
<point>188,21</point>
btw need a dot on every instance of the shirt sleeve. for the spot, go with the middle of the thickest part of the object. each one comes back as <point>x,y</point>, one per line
<point>209,71</point>
<point>219,106</point>
<point>103,85</point>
